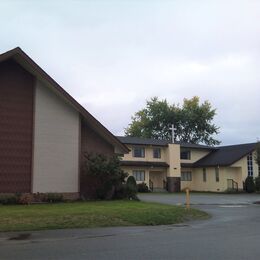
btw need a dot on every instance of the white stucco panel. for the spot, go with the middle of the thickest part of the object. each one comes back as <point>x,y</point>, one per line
<point>56,143</point>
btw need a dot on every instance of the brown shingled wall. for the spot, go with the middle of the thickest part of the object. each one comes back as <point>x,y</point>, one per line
<point>16,127</point>
<point>91,142</point>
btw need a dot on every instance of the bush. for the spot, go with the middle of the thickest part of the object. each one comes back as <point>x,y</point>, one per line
<point>142,187</point>
<point>249,184</point>
<point>131,188</point>
<point>25,198</point>
<point>257,183</point>
<point>9,199</point>
<point>54,197</point>
<point>103,176</point>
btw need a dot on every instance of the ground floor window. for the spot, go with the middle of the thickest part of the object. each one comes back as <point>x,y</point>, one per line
<point>250,165</point>
<point>217,174</point>
<point>204,175</point>
<point>139,175</point>
<point>186,176</point>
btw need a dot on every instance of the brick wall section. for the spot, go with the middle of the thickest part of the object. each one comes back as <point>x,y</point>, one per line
<point>16,127</point>
<point>91,142</point>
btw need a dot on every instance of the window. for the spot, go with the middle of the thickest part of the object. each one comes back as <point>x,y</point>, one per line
<point>217,174</point>
<point>156,152</point>
<point>204,175</point>
<point>138,152</point>
<point>139,175</point>
<point>250,165</point>
<point>186,176</point>
<point>185,155</point>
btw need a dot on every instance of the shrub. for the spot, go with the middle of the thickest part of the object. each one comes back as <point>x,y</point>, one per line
<point>54,197</point>
<point>103,176</point>
<point>142,187</point>
<point>131,188</point>
<point>249,184</point>
<point>257,183</point>
<point>8,199</point>
<point>25,198</point>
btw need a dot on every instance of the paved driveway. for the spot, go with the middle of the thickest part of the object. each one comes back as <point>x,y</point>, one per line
<point>201,198</point>
<point>233,232</point>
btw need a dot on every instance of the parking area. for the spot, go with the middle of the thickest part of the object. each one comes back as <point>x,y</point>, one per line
<point>201,198</point>
<point>233,232</point>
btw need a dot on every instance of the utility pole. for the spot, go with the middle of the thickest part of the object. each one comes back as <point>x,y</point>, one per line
<point>173,133</point>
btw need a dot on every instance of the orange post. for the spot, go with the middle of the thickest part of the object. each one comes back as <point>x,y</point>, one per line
<point>187,198</point>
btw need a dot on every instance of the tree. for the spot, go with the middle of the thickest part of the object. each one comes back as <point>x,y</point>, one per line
<point>193,121</point>
<point>105,174</point>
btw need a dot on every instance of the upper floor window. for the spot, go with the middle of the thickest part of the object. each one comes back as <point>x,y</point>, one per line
<point>250,165</point>
<point>156,152</point>
<point>139,152</point>
<point>185,155</point>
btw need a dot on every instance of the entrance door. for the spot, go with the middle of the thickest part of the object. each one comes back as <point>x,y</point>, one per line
<point>157,179</point>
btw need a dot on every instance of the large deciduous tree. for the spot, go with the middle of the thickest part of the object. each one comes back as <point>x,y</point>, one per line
<point>193,121</point>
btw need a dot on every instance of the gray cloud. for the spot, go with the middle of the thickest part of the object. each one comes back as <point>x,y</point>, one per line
<point>114,55</point>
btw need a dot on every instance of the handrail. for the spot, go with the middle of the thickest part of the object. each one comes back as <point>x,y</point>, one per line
<point>151,185</point>
<point>233,185</point>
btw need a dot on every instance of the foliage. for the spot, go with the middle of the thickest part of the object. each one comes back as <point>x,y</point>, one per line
<point>9,199</point>
<point>54,197</point>
<point>107,173</point>
<point>93,214</point>
<point>257,183</point>
<point>131,188</point>
<point>192,120</point>
<point>257,156</point>
<point>26,198</point>
<point>142,187</point>
<point>249,184</point>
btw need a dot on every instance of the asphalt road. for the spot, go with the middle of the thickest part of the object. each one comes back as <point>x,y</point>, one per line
<point>233,232</point>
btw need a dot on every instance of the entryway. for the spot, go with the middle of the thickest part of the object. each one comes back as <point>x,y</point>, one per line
<point>157,180</point>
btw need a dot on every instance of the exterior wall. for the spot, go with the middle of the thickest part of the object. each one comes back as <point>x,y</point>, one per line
<point>16,127</point>
<point>91,143</point>
<point>173,159</point>
<point>148,153</point>
<point>243,164</point>
<point>196,154</point>
<point>56,145</point>
<point>197,183</point>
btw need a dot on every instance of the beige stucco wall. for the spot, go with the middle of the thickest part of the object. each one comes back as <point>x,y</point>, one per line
<point>197,183</point>
<point>173,159</point>
<point>196,154</point>
<point>148,154</point>
<point>243,164</point>
<point>56,143</point>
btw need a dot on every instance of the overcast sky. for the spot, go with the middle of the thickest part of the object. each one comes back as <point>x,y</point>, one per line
<point>112,56</point>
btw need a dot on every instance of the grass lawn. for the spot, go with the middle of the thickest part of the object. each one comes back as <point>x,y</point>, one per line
<point>92,214</point>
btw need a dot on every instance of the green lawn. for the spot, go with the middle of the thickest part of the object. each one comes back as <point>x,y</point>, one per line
<point>92,214</point>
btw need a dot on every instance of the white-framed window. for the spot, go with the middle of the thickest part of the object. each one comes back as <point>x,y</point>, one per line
<point>186,176</point>
<point>185,155</point>
<point>138,152</point>
<point>217,174</point>
<point>157,153</point>
<point>139,175</point>
<point>250,171</point>
<point>204,175</point>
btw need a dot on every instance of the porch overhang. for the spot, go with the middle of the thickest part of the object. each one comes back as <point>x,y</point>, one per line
<point>151,164</point>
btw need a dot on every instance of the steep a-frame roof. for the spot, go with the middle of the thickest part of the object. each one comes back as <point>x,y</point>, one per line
<point>25,61</point>
<point>225,155</point>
